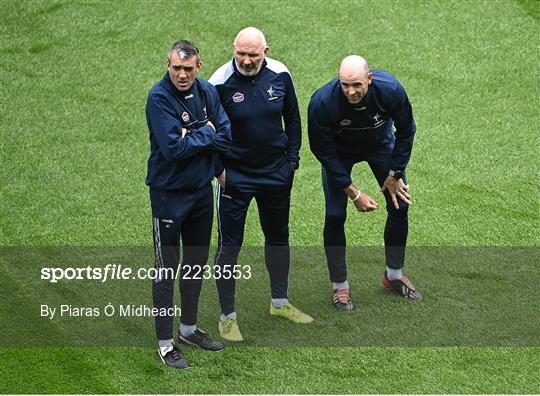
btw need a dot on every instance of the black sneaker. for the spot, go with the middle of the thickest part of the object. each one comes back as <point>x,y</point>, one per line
<point>342,300</point>
<point>402,286</point>
<point>200,339</point>
<point>173,358</point>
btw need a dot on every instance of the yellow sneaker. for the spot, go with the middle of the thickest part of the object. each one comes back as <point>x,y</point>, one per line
<point>291,313</point>
<point>229,330</point>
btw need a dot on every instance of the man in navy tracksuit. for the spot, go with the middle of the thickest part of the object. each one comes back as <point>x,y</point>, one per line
<point>258,95</point>
<point>350,120</point>
<point>188,130</point>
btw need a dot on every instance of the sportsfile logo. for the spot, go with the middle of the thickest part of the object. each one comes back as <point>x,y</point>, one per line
<point>103,274</point>
<point>120,272</point>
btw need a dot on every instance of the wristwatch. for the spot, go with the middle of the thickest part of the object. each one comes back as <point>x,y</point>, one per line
<point>396,174</point>
<point>294,165</point>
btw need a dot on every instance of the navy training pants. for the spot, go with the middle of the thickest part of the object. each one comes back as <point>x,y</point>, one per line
<point>186,216</point>
<point>395,231</point>
<point>273,196</point>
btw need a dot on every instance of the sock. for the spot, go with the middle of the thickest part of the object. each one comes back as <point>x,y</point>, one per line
<point>393,274</point>
<point>279,302</point>
<point>340,285</point>
<point>165,346</point>
<point>186,330</point>
<point>232,315</point>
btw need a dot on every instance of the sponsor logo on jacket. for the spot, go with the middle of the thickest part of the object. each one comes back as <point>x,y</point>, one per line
<point>238,97</point>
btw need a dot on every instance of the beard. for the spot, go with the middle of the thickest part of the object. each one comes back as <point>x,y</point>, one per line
<point>248,73</point>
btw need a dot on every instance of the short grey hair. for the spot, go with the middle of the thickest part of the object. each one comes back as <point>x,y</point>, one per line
<point>185,50</point>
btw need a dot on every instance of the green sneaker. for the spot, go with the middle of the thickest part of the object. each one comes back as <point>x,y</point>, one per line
<point>229,330</point>
<point>291,313</point>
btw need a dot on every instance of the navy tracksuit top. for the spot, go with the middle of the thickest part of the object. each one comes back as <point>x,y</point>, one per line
<point>188,163</point>
<point>263,109</point>
<point>338,128</point>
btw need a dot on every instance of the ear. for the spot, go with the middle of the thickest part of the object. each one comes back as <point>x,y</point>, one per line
<point>266,50</point>
<point>370,77</point>
<point>199,65</point>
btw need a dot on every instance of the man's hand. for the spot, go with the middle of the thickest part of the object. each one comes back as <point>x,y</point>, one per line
<point>221,179</point>
<point>396,188</point>
<point>364,203</point>
<point>209,123</point>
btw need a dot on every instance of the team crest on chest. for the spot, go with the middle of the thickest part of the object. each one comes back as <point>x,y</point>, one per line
<point>238,97</point>
<point>185,116</point>
<point>271,93</point>
<point>346,122</point>
<point>378,120</point>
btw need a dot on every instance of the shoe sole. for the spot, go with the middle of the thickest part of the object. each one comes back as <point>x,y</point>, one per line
<point>292,320</point>
<point>232,339</point>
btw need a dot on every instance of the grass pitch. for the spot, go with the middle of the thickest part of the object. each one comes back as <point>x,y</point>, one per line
<point>74,79</point>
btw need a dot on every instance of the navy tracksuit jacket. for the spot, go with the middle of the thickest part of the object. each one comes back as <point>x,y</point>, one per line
<point>180,171</point>
<point>266,138</point>
<point>342,134</point>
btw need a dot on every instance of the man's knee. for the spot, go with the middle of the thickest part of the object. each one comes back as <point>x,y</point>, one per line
<point>398,214</point>
<point>231,238</point>
<point>335,218</point>
<point>277,235</point>
<point>279,240</point>
<point>225,254</point>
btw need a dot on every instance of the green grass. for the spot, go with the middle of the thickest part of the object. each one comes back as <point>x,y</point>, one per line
<point>74,78</point>
<point>256,370</point>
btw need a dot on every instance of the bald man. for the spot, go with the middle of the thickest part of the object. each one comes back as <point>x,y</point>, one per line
<point>350,120</point>
<point>259,98</point>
